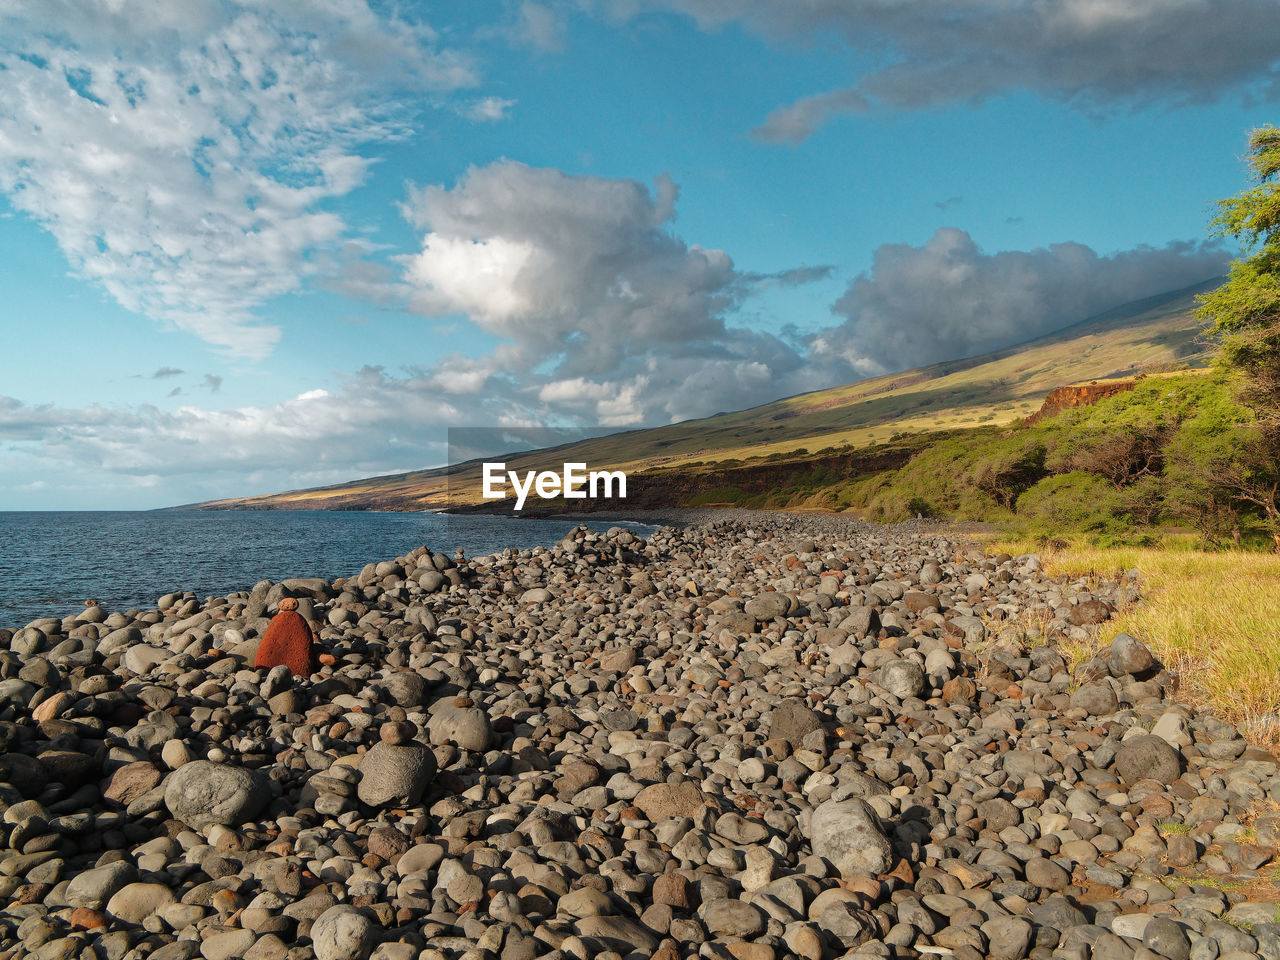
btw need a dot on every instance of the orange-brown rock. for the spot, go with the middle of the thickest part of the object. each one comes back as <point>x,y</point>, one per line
<point>673,890</point>
<point>82,918</point>
<point>129,782</point>
<point>289,641</point>
<point>959,690</point>
<point>1078,395</point>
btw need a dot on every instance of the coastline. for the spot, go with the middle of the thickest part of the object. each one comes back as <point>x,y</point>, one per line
<point>799,734</point>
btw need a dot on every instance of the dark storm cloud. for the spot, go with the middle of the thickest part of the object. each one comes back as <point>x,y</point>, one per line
<point>948,299</point>
<point>1092,54</point>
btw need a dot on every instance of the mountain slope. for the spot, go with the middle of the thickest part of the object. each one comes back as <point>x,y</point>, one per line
<point>1148,335</point>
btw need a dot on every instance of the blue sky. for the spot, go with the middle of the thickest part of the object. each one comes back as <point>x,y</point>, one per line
<point>248,246</point>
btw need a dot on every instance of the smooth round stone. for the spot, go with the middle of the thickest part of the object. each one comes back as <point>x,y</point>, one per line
<point>395,775</point>
<point>342,933</point>
<point>202,794</point>
<point>397,732</point>
<point>135,902</point>
<point>848,834</point>
<point>732,918</point>
<point>467,727</point>
<point>1047,874</point>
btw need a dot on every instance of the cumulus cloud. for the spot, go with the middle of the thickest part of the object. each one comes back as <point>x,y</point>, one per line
<point>1093,54</point>
<point>602,312</point>
<point>182,154</point>
<point>165,372</point>
<point>948,299</point>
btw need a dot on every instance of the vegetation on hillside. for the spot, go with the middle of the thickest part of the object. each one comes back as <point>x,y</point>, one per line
<point>1245,311</point>
<point>1158,456</point>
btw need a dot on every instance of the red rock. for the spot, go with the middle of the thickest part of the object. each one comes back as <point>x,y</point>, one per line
<point>82,918</point>
<point>289,641</point>
<point>1078,395</point>
<point>388,843</point>
<point>673,890</point>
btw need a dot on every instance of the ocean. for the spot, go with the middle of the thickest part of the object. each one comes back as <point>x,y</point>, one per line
<point>51,562</point>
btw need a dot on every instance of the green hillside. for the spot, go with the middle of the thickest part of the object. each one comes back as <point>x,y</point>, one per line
<point>996,388</point>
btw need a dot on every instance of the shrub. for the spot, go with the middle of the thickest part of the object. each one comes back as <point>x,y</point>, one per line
<point>1076,501</point>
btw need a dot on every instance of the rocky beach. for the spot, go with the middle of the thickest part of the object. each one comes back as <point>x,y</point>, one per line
<point>749,737</point>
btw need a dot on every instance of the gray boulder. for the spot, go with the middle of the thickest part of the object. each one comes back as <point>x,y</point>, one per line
<point>848,834</point>
<point>1130,655</point>
<point>202,793</point>
<point>1096,699</point>
<point>93,888</point>
<point>1148,757</point>
<point>791,720</point>
<point>767,606</point>
<point>468,727</point>
<point>729,917</point>
<point>861,622</point>
<point>15,692</point>
<point>395,775</point>
<point>406,689</point>
<point>902,678</point>
<point>343,933</point>
<point>431,581</point>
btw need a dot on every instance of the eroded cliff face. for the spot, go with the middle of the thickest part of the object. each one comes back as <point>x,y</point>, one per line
<point>1079,395</point>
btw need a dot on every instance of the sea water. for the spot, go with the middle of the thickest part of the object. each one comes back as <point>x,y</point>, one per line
<point>51,562</point>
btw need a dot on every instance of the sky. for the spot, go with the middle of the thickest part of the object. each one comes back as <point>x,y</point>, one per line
<point>255,245</point>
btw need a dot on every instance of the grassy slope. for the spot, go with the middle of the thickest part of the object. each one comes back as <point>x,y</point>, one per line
<point>994,388</point>
<point>1209,616</point>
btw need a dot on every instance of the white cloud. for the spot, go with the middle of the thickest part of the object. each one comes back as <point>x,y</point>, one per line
<point>601,315</point>
<point>1092,54</point>
<point>476,277</point>
<point>317,437</point>
<point>488,109</point>
<point>948,299</point>
<point>181,154</point>
<point>602,312</point>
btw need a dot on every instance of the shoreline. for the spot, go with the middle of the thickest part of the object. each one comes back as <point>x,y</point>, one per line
<point>751,736</point>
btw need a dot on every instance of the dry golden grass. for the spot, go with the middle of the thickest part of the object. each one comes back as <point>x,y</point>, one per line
<point>1214,618</point>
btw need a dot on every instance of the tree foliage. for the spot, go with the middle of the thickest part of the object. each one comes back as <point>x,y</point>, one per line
<point>1176,450</point>
<point>1245,312</point>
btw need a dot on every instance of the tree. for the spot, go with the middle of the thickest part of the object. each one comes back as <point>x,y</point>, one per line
<point>1207,460</point>
<point>1010,467</point>
<point>1245,312</point>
